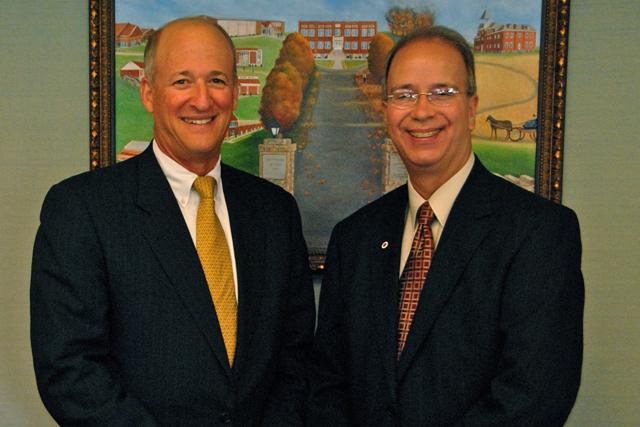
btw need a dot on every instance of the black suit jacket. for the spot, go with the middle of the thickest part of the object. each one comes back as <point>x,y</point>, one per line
<point>497,335</point>
<point>123,328</point>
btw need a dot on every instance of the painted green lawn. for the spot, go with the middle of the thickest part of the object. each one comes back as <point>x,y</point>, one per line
<point>513,158</point>
<point>270,49</point>
<point>326,63</point>
<point>354,63</point>
<point>132,120</point>
<point>243,153</point>
<point>135,49</point>
<point>247,108</point>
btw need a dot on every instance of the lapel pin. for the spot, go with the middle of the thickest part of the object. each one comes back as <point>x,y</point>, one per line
<point>384,245</point>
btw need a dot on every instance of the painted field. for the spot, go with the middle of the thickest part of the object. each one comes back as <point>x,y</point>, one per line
<point>131,119</point>
<point>243,152</point>
<point>506,158</point>
<point>507,88</point>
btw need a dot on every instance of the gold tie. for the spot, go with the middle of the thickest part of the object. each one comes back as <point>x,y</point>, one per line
<point>213,252</point>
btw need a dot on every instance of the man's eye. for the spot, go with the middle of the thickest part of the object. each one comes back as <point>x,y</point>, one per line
<point>403,96</point>
<point>218,81</point>
<point>443,93</point>
<point>180,82</point>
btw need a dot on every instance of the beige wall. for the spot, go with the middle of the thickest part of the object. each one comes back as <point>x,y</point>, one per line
<point>601,182</point>
<point>43,138</point>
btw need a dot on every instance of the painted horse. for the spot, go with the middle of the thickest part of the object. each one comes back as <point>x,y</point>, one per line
<point>499,124</point>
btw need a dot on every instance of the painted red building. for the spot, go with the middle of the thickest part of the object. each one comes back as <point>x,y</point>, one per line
<point>133,70</point>
<point>248,56</point>
<point>248,85</point>
<point>128,35</point>
<point>492,37</point>
<point>351,37</point>
<point>241,127</point>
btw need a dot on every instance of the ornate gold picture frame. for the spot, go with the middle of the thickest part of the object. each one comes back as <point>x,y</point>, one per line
<point>549,118</point>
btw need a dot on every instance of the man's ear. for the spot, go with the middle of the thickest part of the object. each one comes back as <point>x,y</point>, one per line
<point>236,91</point>
<point>473,108</point>
<point>146,94</point>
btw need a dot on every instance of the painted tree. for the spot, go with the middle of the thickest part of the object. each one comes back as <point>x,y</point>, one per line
<point>295,50</point>
<point>403,20</point>
<point>281,99</point>
<point>286,83</point>
<point>293,75</point>
<point>380,46</point>
<point>424,19</point>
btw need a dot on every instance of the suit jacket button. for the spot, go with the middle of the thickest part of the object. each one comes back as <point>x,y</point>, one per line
<point>225,418</point>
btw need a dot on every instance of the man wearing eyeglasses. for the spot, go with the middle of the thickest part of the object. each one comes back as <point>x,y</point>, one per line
<point>456,299</point>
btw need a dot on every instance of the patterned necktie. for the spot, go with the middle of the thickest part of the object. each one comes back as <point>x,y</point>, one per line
<point>213,252</point>
<point>415,273</point>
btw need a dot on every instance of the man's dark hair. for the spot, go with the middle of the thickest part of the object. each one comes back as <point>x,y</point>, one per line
<point>445,35</point>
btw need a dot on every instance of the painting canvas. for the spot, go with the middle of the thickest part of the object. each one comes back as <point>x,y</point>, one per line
<point>338,156</point>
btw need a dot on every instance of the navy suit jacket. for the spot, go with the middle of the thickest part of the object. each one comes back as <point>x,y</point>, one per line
<point>123,328</point>
<point>497,335</point>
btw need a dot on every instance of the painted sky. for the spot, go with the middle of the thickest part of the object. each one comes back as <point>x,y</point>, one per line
<point>463,15</point>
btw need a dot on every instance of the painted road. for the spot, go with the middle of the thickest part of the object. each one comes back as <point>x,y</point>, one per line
<point>340,168</point>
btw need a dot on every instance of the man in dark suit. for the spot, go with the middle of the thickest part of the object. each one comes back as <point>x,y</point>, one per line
<point>456,299</point>
<point>126,325</point>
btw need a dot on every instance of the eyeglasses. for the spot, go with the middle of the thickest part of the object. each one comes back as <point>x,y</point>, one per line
<point>407,98</point>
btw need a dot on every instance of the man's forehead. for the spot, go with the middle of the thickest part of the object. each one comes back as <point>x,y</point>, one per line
<point>186,31</point>
<point>420,49</point>
<point>426,47</point>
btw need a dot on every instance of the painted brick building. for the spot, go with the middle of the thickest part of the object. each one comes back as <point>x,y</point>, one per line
<point>248,85</point>
<point>351,37</point>
<point>251,27</point>
<point>248,56</point>
<point>492,37</point>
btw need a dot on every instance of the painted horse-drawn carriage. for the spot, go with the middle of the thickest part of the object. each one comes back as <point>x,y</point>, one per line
<point>514,133</point>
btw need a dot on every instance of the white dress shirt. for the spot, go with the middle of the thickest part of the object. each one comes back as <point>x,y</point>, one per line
<point>441,202</point>
<point>181,182</point>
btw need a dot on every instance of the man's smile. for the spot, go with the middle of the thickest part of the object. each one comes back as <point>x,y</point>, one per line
<point>419,133</point>
<point>203,121</point>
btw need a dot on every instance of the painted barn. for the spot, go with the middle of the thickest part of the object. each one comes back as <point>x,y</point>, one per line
<point>248,85</point>
<point>132,70</point>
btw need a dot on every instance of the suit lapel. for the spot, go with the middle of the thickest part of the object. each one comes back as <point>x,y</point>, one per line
<point>385,245</point>
<point>468,223</point>
<point>248,245</point>
<point>169,238</point>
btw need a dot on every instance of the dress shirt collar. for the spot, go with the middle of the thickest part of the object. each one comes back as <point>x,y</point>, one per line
<point>180,179</point>
<point>442,199</point>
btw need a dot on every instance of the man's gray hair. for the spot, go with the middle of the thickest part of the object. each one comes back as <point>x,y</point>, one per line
<point>446,35</point>
<point>152,44</point>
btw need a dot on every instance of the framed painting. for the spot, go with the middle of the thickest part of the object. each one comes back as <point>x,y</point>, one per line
<point>328,146</point>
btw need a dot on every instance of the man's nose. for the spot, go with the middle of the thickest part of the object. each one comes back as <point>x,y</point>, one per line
<point>201,98</point>
<point>423,107</point>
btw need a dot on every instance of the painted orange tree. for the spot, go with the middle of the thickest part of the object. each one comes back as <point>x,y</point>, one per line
<point>286,83</point>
